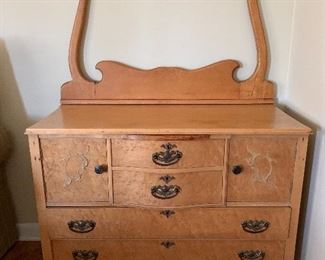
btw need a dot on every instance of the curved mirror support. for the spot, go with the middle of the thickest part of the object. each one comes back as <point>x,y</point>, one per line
<point>123,84</point>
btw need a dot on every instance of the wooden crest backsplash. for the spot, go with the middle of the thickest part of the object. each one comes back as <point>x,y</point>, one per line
<point>122,84</point>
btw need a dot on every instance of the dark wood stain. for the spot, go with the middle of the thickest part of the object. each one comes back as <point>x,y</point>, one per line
<point>24,250</point>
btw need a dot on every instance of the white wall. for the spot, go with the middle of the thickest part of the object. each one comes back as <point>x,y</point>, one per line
<point>305,94</point>
<point>34,38</point>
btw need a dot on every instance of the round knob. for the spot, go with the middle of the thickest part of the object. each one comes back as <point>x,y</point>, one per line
<point>237,169</point>
<point>99,169</point>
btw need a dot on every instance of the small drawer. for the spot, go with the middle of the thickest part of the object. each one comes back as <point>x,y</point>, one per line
<point>140,188</point>
<point>198,152</point>
<point>196,223</point>
<point>167,249</point>
<point>70,170</point>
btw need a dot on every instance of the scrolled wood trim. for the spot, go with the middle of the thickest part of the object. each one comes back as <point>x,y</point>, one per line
<point>76,43</point>
<point>124,84</point>
<point>256,86</point>
<point>260,40</point>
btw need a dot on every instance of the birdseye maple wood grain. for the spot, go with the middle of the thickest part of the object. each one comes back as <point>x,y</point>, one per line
<point>267,169</point>
<point>196,188</point>
<point>151,223</point>
<point>98,120</point>
<point>242,160</point>
<point>180,250</point>
<point>69,170</point>
<point>272,161</point>
<point>195,153</point>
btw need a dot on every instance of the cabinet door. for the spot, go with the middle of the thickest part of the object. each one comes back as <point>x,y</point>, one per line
<point>69,170</point>
<point>261,169</point>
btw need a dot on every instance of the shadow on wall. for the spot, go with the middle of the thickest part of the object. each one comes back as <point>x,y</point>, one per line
<point>312,156</point>
<point>8,233</point>
<point>14,119</point>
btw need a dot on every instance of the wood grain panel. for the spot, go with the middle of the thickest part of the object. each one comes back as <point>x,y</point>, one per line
<point>197,188</point>
<point>168,119</point>
<point>199,223</point>
<point>268,167</point>
<point>196,153</point>
<point>68,166</point>
<point>182,249</point>
<point>269,145</point>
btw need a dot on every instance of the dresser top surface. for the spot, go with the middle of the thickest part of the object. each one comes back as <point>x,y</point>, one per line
<point>168,119</point>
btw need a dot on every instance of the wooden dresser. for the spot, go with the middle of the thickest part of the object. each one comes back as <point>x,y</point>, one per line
<point>168,163</point>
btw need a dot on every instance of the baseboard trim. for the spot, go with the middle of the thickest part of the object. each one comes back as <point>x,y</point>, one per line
<point>28,232</point>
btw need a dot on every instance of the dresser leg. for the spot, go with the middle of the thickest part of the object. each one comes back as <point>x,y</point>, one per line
<point>296,197</point>
<point>35,154</point>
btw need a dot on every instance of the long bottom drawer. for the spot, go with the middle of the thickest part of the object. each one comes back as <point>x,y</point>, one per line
<point>190,223</point>
<point>167,249</point>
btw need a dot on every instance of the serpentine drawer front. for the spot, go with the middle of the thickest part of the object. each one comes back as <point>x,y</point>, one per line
<point>168,249</point>
<point>168,190</point>
<point>260,169</point>
<point>171,196</point>
<point>166,154</point>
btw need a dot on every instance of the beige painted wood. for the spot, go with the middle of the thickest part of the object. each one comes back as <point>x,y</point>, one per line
<point>199,223</point>
<point>152,249</point>
<point>195,153</point>
<point>34,148</point>
<point>268,168</point>
<point>182,119</point>
<point>68,165</point>
<point>197,188</point>
<point>123,83</point>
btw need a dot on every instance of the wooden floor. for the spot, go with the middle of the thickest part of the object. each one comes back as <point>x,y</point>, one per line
<point>23,250</point>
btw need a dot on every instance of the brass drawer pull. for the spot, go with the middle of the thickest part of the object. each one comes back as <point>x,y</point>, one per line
<point>81,226</point>
<point>165,191</point>
<point>85,255</point>
<point>168,213</point>
<point>255,226</point>
<point>168,157</point>
<point>168,244</point>
<point>251,255</point>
